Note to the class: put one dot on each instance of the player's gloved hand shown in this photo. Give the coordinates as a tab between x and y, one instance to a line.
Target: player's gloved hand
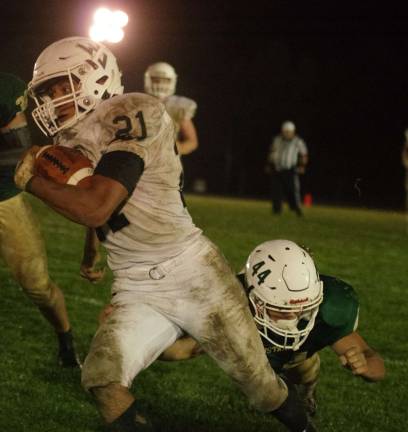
25	168
292	413
355	360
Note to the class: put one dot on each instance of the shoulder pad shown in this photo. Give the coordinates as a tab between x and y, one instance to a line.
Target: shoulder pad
127	104
340	302
133	116
180	107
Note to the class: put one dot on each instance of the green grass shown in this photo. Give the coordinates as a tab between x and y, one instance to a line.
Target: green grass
369	249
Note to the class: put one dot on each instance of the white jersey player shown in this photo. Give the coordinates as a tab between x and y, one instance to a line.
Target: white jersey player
168	277
160	81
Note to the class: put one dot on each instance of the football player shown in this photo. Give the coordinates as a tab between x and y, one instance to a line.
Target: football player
297	314
168	277
21	245
160	81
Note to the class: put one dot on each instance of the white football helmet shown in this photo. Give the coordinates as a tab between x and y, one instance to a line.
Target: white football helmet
88	64
160	80
282	278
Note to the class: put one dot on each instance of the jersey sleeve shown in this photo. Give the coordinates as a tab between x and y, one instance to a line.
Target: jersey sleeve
340	308
180	108
134	124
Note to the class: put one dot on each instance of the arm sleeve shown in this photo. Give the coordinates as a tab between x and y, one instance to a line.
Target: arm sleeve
340	308
122	166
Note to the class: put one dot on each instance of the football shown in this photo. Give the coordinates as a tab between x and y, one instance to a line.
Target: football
63	165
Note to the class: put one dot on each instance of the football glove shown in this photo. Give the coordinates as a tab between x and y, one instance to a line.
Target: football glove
25	168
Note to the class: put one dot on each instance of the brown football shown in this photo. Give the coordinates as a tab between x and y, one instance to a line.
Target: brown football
62	165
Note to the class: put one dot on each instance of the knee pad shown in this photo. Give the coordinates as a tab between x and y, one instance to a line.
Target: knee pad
41	292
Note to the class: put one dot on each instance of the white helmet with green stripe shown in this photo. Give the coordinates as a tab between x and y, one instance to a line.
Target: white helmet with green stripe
285	292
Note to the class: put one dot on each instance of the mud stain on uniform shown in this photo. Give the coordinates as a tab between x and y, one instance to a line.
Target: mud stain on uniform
230	337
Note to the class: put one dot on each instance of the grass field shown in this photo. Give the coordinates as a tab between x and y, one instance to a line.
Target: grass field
368	249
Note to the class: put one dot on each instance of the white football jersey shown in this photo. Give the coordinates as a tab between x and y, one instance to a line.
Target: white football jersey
160	226
180	108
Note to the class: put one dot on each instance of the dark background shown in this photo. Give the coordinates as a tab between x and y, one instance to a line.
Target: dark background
339	70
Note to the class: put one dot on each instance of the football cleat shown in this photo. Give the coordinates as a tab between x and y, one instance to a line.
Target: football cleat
67	356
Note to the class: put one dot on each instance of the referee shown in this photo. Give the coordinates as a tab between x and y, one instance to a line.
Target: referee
287	158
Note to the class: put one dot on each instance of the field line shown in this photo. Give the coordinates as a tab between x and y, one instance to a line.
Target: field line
87	300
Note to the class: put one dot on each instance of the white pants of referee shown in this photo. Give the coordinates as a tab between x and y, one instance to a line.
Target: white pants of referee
198	293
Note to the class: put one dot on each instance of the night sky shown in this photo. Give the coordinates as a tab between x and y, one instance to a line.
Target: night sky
339	70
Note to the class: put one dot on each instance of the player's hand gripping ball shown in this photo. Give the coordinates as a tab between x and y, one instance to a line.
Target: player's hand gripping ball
63	165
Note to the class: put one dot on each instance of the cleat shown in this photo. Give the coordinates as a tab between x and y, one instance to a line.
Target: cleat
67	356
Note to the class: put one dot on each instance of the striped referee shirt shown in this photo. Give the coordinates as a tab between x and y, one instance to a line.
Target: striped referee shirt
284	154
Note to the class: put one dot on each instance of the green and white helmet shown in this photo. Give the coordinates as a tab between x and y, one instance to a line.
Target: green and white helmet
160	80
282	278
89	64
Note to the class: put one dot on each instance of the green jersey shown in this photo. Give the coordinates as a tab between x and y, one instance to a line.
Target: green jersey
13	99
337	318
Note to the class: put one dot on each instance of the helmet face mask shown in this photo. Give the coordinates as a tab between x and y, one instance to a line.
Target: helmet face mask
285	292
92	72
160	80
45	115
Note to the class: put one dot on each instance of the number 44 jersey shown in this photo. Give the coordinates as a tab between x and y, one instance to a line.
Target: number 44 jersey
153	225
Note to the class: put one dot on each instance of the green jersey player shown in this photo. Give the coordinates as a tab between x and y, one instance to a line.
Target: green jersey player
298	313
21	245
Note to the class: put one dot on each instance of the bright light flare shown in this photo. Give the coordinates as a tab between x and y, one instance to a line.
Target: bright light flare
120	18
114	35
108	25
96	33
102	16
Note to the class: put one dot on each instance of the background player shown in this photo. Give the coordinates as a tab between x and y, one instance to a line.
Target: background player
160	81
298	313
168	277
21	245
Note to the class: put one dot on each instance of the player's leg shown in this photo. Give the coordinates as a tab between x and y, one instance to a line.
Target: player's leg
130	338
217	315
212	306
276	192
292	191
306	375
23	250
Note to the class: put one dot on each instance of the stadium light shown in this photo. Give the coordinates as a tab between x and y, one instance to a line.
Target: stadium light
114	34
108	25
120	18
